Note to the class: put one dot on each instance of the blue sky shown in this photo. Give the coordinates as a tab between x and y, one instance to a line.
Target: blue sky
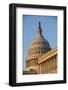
30	27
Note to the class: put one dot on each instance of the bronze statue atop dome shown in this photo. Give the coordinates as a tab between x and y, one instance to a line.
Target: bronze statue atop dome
40	29
39	25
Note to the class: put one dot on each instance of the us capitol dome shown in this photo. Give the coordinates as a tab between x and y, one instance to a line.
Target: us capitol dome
39	47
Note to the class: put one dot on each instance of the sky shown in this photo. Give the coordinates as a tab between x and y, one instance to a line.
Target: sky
30	28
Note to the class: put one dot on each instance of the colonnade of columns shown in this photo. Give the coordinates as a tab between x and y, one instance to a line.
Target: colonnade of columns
49	65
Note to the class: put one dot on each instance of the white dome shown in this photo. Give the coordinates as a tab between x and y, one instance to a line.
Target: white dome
39	45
